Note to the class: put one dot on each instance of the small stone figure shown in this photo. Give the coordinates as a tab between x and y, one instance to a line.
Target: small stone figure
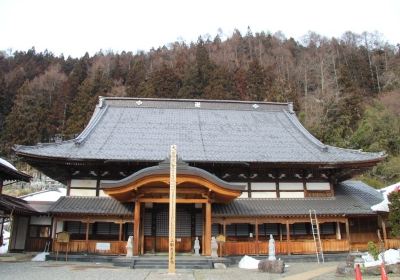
214	247
129	247
271	248
196	247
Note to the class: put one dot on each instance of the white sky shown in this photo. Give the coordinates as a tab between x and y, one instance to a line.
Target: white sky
73	27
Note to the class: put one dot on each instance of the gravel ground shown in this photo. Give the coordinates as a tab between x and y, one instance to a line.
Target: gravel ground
81	271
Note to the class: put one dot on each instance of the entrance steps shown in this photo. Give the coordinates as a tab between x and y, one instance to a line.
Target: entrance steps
157	262
148	262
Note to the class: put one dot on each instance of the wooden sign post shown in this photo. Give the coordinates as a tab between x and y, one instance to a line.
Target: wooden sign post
172	210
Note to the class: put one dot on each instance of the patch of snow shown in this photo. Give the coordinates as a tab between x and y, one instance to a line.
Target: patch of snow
41	257
6	239
248	263
6	163
384	205
51	195
391	256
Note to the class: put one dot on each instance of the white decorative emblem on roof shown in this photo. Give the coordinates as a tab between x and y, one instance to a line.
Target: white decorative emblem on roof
255	106
197	104
139	102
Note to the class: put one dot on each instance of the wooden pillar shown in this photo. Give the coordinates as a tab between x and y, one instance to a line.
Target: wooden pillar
136	229
1	186
384	231
348	233
338	233
141	242
87	236
203	236
288	237
120	232
256	232
207	237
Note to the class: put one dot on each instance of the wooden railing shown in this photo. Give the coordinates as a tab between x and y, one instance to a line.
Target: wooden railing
83	246
36	244
282	247
392	244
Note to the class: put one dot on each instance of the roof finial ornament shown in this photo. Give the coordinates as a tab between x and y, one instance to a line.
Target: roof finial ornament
101	101
290	107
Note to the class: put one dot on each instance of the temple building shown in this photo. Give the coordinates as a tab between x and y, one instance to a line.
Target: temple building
245	170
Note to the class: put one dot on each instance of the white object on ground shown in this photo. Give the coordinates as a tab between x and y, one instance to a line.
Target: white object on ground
392	256
41	257
248	263
383	206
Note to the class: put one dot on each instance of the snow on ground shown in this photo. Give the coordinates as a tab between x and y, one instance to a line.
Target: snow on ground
248	263
6	238
390	256
384	205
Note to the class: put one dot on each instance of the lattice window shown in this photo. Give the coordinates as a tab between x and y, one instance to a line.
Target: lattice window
147	223
162	223
107	228
183	223
215	230
267	229
199	224
327	228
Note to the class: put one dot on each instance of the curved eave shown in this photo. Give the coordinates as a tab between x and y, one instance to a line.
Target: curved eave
124	189
328	164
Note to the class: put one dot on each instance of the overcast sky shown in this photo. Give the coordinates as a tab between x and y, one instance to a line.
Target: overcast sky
73	27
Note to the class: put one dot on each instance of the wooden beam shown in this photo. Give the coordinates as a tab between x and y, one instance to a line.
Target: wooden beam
178	200
136	229
207	238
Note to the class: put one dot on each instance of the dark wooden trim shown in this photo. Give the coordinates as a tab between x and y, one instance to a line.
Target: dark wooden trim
97	186
68	187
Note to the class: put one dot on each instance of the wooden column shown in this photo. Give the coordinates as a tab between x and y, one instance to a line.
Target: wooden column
207	229
288	237
203	236
141	242
1	186
384	231
87	236
348	233
256	232
136	229
120	232
338	233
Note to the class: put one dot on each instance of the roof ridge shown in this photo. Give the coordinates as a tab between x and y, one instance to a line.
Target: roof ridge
110	98
295	121
97	115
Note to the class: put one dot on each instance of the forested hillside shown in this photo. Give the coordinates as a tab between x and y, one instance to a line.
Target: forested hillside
346	90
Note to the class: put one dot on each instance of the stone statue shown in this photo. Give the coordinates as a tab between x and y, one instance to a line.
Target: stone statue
271	248
129	247
196	247
214	247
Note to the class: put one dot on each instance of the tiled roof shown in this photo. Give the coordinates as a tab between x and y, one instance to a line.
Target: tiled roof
9	172
351	198
10	204
131	129
97	206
